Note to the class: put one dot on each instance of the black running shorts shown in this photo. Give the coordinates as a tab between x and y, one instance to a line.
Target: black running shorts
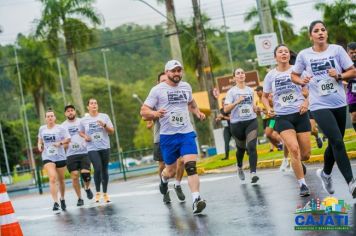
59	164
352	107
78	162
157	155
299	123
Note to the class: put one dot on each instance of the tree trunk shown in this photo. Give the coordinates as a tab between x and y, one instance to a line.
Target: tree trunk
75	85
39	103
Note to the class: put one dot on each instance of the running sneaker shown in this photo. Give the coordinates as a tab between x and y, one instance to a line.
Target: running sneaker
304	169
90	194
319	142
326	182
280	147
284	165
56	208
179	192
97	197
163	187
80	202
304	191
254	178
352	188
63	204
166	198
198	205
106	198
240	173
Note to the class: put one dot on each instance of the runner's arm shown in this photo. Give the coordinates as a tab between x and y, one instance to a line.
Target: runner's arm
40	144
193	108
148	113
265	101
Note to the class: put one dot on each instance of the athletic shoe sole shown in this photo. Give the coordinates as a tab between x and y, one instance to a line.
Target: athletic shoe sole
319	173
254	179
306	194
200	207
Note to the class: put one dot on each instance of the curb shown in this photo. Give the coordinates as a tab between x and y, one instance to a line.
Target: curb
272	164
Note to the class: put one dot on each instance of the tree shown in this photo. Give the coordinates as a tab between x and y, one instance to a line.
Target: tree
279	10
39	75
13	147
340	18
143	137
59	19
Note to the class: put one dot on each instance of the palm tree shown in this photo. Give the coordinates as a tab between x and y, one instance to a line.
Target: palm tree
60	20
279	10
340	18
39	75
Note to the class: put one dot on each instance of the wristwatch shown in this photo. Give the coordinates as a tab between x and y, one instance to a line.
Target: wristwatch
339	77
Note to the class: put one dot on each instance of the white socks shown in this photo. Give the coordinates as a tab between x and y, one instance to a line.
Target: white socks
301	182
177	183
195	195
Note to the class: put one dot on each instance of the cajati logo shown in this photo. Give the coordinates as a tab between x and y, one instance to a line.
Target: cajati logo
327	214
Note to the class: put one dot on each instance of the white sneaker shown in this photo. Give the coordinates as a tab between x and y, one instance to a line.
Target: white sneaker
284	165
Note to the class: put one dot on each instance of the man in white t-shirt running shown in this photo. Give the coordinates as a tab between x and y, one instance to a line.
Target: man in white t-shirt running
78	162
171	102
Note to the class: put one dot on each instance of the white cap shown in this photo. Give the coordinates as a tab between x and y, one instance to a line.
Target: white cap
170	65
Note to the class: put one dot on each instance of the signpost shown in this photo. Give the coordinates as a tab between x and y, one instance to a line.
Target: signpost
265	45
226	82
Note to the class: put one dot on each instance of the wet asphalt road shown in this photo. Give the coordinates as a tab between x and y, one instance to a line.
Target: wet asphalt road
233	208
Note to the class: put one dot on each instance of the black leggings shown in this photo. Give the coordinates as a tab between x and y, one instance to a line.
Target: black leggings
333	122
245	133
227	138
100	161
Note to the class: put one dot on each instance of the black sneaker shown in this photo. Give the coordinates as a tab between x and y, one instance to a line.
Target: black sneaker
198	205
163	187
90	194
63	204
80	202
304	191
179	192
319	142
304	169
166	198
56	207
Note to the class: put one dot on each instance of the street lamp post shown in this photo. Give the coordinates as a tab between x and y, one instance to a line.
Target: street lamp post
135	96
5	154
227	37
113	112
32	159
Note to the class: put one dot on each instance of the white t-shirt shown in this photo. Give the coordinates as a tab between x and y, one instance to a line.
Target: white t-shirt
50	136
324	91
99	136
77	144
287	96
244	110
175	101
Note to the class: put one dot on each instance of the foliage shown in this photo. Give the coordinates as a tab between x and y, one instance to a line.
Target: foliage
143	137
12	144
340	18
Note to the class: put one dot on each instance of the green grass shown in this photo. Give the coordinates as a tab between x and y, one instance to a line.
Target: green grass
264	154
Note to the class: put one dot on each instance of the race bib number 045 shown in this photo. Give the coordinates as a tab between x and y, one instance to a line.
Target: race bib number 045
286	99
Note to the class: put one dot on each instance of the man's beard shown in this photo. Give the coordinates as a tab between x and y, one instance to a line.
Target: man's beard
71	117
174	81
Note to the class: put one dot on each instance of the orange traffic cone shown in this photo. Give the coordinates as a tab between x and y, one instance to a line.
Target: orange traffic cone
8	222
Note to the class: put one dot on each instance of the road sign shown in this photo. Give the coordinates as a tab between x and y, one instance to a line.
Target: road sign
265	45
226	82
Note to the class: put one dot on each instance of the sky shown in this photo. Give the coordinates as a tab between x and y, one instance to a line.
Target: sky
18	16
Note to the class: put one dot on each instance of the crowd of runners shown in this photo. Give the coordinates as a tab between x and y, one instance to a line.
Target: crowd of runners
298	95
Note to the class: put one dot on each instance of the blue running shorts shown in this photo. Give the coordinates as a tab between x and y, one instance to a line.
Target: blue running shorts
177	145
